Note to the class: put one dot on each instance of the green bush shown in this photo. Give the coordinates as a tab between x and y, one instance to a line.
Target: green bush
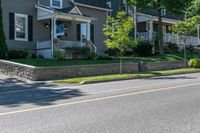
78	50
59	55
99	56
171	48
194	63
190	49
17	54
112	52
144	49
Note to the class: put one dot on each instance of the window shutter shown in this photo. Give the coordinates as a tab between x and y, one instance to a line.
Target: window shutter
11	26
78	31
92	32
30	28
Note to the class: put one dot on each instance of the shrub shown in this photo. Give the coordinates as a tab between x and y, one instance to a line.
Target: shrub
59	55
17	54
112	52
191	49
171	48
194	63
78	50
144	49
99	56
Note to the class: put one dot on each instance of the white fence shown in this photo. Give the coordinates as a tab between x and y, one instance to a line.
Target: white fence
44	49
171	38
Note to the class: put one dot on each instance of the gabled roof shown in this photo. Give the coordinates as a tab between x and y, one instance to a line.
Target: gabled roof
70	10
95	3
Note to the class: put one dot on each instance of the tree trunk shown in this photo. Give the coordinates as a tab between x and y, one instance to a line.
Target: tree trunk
185	52
120	67
3	46
160	30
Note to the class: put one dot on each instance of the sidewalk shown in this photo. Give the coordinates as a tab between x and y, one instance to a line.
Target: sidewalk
12	83
9	81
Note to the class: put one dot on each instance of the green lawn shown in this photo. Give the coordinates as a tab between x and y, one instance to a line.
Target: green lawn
125	76
51	63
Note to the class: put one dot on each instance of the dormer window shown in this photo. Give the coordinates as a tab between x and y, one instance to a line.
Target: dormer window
57	3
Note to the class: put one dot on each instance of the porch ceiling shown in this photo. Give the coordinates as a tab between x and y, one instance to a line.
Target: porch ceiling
45	12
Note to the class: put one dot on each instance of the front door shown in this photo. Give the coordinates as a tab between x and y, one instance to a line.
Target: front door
83	33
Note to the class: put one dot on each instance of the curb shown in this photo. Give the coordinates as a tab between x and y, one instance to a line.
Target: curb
122	79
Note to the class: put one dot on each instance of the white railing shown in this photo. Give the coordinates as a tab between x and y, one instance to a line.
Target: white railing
171	38
44	45
144	36
44	49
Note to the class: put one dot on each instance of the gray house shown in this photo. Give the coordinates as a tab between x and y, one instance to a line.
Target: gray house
147	23
45	26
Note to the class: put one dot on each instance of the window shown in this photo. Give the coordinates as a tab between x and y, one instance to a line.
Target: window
56	3
21	27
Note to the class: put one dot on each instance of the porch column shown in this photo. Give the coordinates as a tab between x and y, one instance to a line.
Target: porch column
151	30
135	23
53	23
88	32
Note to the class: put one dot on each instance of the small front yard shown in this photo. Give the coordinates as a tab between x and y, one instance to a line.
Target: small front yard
52	63
125	76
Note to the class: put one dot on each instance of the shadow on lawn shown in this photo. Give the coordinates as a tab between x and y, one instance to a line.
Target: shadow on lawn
38	94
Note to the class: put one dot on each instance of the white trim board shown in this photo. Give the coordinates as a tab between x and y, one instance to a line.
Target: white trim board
94	7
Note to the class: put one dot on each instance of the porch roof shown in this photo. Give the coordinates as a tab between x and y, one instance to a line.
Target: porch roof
69	13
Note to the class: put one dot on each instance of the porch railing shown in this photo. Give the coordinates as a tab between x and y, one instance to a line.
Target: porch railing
44	45
145	36
171	38
44	49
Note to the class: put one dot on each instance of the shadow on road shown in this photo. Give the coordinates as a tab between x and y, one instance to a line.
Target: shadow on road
38	94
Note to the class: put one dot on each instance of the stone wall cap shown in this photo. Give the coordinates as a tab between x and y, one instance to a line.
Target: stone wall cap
91	65
15	63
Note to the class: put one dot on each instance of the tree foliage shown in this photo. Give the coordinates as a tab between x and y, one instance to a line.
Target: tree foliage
186	27
3	47
118	30
193	9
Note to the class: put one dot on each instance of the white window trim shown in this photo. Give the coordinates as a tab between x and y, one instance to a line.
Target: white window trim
26	24
61	4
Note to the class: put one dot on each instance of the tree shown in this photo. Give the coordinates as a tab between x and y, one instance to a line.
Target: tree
193	9
3	46
118	30
183	29
172	6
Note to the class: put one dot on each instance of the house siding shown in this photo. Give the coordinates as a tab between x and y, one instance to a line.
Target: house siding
99	36
66	3
40	33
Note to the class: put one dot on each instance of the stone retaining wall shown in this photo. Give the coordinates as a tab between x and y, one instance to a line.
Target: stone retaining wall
16	69
165	65
52	73
82	71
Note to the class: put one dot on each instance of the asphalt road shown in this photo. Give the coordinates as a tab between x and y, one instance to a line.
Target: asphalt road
168	104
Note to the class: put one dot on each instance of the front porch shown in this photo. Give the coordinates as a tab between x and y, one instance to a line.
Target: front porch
68	28
147	27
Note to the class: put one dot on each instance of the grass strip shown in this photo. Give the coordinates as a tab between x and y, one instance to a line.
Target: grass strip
102	78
